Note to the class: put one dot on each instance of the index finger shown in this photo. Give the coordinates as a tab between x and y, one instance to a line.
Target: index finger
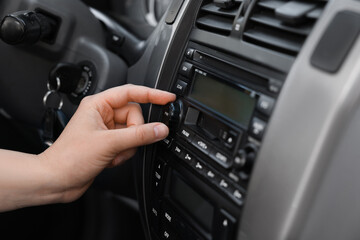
119	96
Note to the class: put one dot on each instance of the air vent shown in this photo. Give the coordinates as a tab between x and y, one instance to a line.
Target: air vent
282	25
215	19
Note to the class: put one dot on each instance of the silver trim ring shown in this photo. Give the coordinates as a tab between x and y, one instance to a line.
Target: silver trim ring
46	96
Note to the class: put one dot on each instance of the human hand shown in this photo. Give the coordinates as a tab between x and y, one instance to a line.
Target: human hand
104	131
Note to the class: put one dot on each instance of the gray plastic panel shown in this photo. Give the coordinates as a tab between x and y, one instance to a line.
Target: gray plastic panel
308	152
335	212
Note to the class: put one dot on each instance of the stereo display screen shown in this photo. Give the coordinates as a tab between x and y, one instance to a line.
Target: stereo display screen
192	202
224	99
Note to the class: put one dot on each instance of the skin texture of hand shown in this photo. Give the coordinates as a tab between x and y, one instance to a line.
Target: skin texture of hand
104	132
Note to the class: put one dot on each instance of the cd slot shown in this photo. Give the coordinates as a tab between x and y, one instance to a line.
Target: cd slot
236	72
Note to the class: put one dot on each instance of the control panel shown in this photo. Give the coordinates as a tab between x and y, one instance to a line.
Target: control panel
200	172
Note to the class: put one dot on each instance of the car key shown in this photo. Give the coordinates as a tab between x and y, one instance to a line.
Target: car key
54	120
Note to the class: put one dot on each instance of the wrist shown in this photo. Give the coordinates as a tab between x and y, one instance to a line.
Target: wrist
62	185
54	188
26	180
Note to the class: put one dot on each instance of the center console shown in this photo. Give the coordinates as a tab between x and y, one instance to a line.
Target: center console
227	82
200	172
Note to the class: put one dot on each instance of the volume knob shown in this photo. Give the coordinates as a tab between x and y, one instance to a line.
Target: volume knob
175	114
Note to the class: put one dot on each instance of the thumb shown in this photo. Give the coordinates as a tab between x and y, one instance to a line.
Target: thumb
139	135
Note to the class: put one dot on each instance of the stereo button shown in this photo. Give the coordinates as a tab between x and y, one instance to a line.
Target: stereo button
210	174
155	214
175	114
229	138
234	177
189	53
186	69
180	87
199	167
240	159
257	128
201	144
177	150
274	85
159	169
186	134
167	233
192	116
237	196
166	115
221	158
188	158
167	141
223	184
224	225
265	105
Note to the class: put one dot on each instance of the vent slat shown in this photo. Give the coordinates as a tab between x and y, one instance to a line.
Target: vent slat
268	20
271	4
216	22
289	44
211	8
315	14
282	25
215	19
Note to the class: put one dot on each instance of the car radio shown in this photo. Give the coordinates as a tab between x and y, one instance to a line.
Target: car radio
202	169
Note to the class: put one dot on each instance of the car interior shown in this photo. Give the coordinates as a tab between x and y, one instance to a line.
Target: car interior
264	133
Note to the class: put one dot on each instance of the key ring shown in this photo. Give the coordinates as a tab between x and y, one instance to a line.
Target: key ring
51	93
55	94
58	84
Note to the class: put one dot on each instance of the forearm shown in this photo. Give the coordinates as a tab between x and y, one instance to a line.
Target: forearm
25	180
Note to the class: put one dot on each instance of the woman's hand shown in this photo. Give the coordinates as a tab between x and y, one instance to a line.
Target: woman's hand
104	132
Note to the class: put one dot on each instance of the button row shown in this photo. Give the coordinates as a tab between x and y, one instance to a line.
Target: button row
210	174
218	156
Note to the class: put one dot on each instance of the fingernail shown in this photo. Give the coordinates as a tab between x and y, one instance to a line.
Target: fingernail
161	131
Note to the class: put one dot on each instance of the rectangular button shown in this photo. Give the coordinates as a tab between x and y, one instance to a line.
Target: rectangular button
189	53
201	144
221	158
265	105
155	214
274	85
167	233
180	87
186	69
159	169
237	195
229	138
167	141
211	175
224	225
188	158
199	167
177	150
192	116
165	115
257	128
186	134
223	183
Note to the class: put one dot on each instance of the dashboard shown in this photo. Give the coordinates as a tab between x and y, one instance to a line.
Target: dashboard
264	133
